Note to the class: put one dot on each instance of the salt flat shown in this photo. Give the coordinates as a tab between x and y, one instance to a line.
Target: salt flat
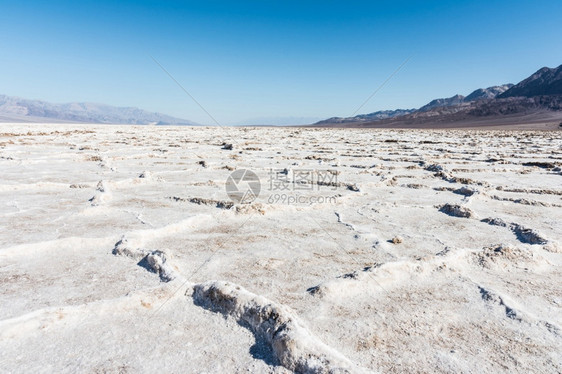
365	250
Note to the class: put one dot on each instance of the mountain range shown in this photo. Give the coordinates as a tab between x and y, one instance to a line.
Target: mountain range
15	109
536	99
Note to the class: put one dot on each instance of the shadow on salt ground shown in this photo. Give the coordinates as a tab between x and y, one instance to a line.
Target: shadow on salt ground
262	350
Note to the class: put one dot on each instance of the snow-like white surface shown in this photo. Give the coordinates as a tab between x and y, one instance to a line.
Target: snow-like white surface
117	253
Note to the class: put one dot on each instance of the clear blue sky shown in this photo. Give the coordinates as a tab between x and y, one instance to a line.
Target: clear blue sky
246	59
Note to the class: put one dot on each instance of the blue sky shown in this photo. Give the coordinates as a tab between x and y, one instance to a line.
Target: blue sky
259	59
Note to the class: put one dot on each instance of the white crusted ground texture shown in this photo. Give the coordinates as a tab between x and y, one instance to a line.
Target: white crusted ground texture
430	251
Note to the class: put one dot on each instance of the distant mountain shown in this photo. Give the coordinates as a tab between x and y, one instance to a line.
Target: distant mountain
479	94
15	109
545	81
535	99
383	114
454	100
546	109
488	93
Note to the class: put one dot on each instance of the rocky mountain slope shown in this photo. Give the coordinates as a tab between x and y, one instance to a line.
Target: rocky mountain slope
545	81
488	93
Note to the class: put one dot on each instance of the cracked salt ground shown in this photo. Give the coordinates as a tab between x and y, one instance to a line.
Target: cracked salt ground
124	256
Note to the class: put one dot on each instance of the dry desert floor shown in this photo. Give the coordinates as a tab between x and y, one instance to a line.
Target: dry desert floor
364	251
